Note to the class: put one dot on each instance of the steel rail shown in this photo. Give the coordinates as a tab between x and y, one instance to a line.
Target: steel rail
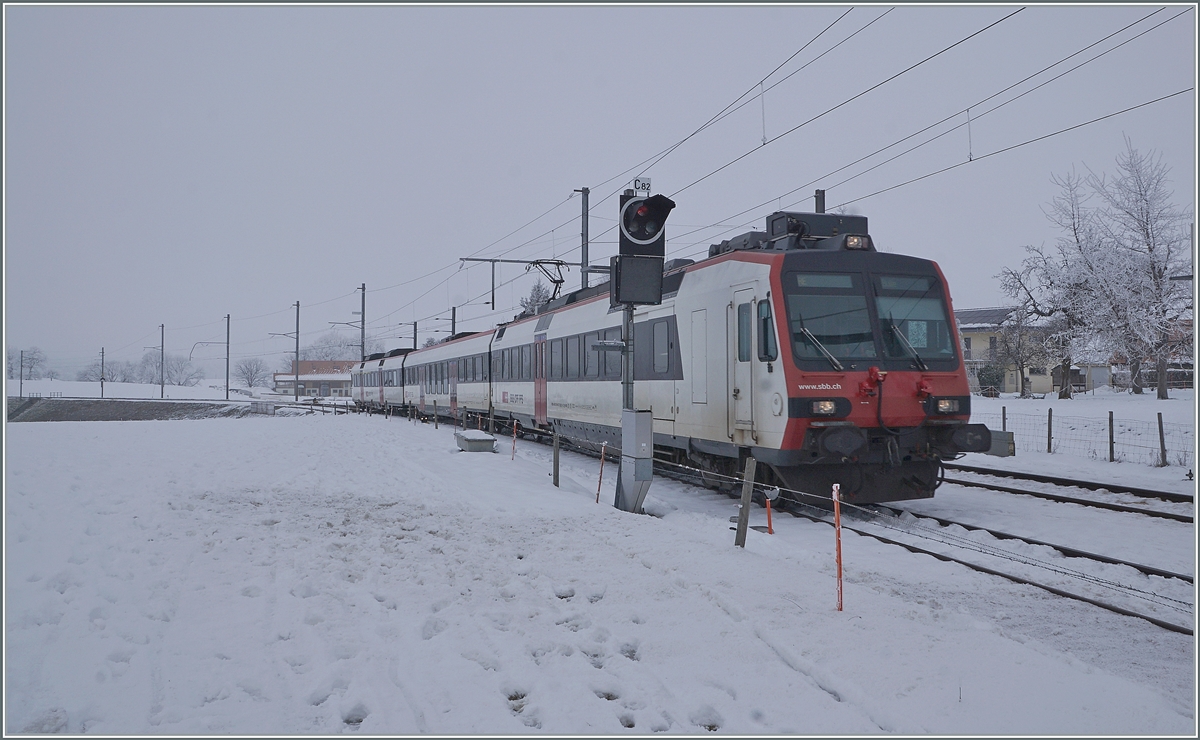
1070	500
1068	551
1067	482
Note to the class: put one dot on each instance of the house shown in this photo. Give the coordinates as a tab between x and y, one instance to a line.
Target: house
317	378
980	330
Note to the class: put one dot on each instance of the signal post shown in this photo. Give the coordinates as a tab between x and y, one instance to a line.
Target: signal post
636	280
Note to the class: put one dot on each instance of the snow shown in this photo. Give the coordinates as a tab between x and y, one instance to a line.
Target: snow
330	574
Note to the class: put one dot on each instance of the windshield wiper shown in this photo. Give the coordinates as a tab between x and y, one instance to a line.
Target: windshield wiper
828	355
909	347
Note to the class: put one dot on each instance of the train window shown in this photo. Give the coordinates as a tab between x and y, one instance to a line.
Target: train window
591	364
556	358
828	316
767	350
662	351
912	318
573	357
743	332
526	362
612	360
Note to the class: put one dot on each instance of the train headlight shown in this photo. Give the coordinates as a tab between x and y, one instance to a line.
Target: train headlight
947	406
855	241
824	408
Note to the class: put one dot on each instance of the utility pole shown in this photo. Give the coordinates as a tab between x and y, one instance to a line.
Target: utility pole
361	324
583	259
414	335
226	357
296	383
296	361
453	320
102	372
162	361
21	382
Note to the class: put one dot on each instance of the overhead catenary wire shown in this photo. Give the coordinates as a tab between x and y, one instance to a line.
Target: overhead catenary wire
950	117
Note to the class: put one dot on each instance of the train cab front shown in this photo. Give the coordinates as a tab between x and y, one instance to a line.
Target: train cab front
878	393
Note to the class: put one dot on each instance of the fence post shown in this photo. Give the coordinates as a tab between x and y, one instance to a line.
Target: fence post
556	459
600	482
739	540
1049	429
1112	457
1004	418
1162	442
435	415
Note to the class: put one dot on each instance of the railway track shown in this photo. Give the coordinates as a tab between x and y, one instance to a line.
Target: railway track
824	517
1180	498
1068	483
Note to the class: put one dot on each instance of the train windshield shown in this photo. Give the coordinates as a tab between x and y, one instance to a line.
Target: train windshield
828	316
912	318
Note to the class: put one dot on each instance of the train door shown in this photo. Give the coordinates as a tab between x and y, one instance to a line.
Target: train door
741	354
453	387
539	379
421	381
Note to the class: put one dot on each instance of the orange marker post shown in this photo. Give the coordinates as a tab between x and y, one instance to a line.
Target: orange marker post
770	529
837	534
514	455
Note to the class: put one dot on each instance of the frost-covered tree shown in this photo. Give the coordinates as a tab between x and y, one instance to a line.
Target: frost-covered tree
252	371
430	342
332	345
1106	281
1057	282
1148	243
148	369
11	365
539	294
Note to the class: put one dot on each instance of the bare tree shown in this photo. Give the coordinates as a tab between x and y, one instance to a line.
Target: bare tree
91	373
252	371
1020	343
430	342
121	371
34	363
12	364
181	371
51	373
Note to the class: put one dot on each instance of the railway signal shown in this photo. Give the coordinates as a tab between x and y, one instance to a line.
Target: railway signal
642	221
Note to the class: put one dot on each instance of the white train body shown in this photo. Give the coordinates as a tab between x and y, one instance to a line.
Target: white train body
729	368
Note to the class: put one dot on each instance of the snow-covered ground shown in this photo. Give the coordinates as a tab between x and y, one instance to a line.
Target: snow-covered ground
325	574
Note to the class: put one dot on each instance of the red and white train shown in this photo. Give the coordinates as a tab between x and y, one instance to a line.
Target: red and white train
803	346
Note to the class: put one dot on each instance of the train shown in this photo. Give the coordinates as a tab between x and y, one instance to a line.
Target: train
803	346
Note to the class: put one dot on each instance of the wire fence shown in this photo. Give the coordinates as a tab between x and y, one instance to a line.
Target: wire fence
1132	441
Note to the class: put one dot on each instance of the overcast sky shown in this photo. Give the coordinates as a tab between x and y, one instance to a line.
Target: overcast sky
171	165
